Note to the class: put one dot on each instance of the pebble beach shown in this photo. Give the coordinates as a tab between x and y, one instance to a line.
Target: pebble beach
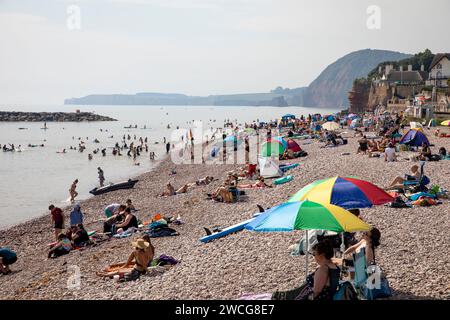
413	251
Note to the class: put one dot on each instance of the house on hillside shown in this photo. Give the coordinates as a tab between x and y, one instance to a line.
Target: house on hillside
439	70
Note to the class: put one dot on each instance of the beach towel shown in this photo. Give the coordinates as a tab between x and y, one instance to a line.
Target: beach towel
417	195
256	296
115	269
162	232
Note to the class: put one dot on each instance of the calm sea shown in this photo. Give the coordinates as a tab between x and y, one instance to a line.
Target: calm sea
32	179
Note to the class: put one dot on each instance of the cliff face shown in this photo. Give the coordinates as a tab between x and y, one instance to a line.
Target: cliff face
331	88
359	96
377	95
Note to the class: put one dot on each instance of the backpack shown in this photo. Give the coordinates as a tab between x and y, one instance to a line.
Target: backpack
345	291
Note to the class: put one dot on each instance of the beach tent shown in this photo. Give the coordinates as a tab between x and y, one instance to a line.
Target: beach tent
330	125
272	147
292	145
288	116
268	168
330	118
414	138
281	140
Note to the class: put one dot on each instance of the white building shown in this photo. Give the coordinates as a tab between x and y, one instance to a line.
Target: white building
439	70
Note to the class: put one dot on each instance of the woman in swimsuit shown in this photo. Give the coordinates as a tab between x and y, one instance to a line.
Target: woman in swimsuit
129	222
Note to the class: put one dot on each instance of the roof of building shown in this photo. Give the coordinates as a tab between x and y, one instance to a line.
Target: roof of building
438	57
407	76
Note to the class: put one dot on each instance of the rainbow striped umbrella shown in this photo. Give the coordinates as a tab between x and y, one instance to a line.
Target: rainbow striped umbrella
345	192
307	215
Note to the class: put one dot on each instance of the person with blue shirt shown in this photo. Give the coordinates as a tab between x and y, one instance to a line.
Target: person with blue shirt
7	258
76	216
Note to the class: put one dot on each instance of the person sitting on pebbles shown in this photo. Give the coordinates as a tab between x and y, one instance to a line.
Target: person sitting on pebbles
397	183
142	256
7	258
170	190
370	241
129	222
62	247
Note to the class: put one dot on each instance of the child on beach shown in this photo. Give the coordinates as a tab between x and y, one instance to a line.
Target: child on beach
62	247
76	216
101	176
72	191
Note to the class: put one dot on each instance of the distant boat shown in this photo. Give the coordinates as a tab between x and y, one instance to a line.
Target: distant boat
23	128
45	126
113	187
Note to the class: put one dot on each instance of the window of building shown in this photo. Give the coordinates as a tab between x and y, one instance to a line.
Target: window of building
439	66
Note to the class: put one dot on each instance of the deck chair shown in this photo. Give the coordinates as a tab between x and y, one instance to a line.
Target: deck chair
420	184
361	276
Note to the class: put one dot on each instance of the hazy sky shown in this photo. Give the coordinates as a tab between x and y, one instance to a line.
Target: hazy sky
196	47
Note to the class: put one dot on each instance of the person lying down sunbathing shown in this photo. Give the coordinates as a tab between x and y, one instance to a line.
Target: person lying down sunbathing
259	184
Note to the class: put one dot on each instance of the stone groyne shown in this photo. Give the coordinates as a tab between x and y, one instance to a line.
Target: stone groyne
52	116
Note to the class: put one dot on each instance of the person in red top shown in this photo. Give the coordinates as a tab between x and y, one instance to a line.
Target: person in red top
57	219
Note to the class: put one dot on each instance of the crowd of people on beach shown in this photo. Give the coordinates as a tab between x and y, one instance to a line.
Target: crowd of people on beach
323	284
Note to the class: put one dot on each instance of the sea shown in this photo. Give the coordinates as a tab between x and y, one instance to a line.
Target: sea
32	179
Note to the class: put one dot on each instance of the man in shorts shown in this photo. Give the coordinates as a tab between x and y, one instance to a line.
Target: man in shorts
57	219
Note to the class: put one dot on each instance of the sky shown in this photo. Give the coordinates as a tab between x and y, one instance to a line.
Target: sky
56	49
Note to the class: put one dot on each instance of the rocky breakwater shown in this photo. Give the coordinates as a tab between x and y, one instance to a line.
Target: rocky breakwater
52	116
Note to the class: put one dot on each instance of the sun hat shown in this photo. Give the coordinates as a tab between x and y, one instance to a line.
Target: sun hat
140	244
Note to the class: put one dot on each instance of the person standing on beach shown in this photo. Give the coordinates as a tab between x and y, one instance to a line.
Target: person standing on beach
57	219
167	147
101	176
76	216
72	191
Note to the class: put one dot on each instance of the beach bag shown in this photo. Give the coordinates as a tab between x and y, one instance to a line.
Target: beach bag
399	203
377	293
384	290
166	260
345	291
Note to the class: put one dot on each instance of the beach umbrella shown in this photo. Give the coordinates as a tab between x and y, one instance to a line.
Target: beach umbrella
445	123
288	116
272	147
345	192
330	125
307	215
